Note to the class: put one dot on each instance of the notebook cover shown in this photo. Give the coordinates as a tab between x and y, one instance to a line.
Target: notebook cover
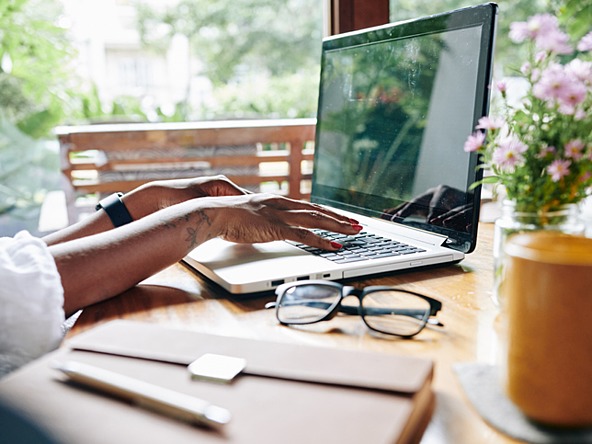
287	393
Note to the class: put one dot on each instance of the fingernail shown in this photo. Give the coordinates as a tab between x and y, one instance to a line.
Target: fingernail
357	227
336	245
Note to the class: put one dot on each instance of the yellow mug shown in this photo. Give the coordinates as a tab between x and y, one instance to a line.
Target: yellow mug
547	293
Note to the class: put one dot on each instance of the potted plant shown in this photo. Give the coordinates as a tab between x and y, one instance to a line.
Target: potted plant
540	149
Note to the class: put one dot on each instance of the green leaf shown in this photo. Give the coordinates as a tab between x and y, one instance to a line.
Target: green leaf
485	180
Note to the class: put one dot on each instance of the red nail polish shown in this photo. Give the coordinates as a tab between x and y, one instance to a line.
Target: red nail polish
336	244
357	227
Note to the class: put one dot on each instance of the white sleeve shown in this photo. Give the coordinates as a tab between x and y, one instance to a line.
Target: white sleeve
31	301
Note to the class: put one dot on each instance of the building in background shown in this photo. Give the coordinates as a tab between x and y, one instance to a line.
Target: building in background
112	58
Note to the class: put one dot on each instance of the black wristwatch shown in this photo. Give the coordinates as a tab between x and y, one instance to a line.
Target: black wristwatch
115	209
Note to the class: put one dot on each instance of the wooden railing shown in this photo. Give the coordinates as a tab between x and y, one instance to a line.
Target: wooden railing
260	155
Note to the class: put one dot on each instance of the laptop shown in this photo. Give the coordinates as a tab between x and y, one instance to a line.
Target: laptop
396	103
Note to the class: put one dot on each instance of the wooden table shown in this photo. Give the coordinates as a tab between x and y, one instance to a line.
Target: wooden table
179	298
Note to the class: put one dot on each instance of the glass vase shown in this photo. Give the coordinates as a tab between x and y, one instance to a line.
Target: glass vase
565	219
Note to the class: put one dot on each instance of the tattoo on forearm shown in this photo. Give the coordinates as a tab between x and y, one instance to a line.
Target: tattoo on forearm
202	214
192	237
192	233
173	223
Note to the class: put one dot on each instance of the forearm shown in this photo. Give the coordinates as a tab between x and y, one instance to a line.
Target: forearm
147	199
140	202
105	264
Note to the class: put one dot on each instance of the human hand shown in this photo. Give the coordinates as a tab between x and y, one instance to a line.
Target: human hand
266	217
176	230
442	205
160	194
458	218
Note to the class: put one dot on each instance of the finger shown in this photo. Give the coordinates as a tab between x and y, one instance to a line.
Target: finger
455	218
317	219
394	210
410	209
285	203
304	236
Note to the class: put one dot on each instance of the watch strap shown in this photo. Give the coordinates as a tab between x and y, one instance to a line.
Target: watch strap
115	209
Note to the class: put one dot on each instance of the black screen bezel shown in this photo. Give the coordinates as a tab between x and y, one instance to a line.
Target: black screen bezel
482	15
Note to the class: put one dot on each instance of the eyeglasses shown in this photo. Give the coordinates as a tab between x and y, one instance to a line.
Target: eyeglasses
387	310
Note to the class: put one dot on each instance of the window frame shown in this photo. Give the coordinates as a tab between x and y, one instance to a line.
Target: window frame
351	15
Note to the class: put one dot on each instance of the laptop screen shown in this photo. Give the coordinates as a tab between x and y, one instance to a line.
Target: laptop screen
396	105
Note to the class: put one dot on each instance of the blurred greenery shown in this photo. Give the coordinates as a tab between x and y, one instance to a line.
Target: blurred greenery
575	15
34	54
262	56
289	96
28	168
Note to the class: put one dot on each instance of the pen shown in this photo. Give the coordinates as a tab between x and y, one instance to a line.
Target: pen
153	397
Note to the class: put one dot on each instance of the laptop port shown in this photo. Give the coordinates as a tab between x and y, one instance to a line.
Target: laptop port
277	282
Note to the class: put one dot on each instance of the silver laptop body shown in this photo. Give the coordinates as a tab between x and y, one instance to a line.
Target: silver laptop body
396	104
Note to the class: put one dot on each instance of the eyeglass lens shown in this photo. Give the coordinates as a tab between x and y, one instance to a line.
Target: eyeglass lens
388	311
397	312
307	303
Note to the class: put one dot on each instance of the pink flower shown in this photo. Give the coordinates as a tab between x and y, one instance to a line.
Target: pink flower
537	25
553	84
571	97
554	41
586	43
580	114
519	32
509	153
558	169
566	109
574	149
580	70
487	123
540	56
474	142
545	151
502	86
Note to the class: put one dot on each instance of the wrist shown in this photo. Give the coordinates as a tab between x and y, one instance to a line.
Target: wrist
196	221
115	209
142	201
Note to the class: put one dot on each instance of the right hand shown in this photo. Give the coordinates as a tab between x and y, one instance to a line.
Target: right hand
266	217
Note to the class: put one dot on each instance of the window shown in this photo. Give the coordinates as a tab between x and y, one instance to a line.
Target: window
203	59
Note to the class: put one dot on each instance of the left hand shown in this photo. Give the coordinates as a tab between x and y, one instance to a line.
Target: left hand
160	194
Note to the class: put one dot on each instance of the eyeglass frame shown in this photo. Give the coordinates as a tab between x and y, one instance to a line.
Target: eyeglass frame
348	290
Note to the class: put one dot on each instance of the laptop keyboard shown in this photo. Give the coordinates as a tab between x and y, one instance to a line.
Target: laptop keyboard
360	247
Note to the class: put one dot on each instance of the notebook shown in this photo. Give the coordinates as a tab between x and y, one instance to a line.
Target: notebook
287	393
396	103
